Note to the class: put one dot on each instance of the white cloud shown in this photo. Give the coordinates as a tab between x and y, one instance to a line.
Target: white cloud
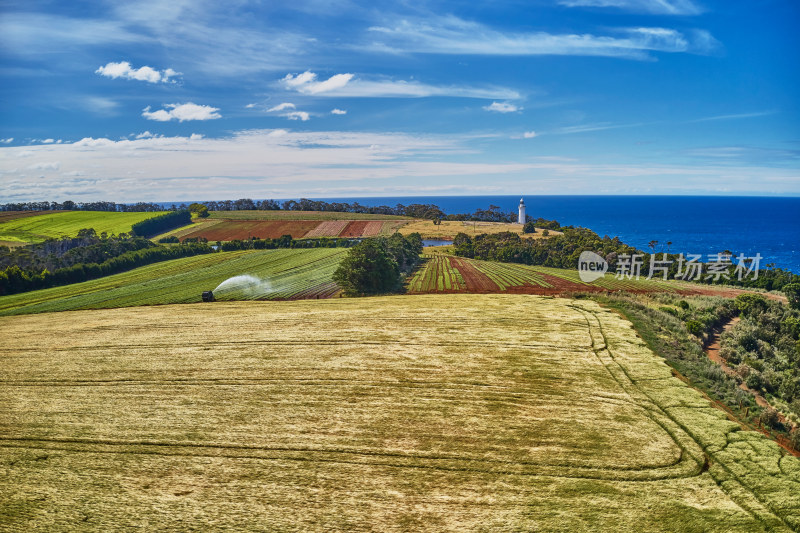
182	112
124	70
7	141
196	136
656	7
45	166
250	106
297	115
145	135
338	112
452	35
529	135
90	142
306	82
281	107
73	173
387	88
502	107
299	79
48	141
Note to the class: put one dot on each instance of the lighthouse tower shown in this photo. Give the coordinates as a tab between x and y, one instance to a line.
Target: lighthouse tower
521	211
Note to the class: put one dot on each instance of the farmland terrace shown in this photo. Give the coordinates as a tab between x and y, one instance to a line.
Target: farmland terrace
443	412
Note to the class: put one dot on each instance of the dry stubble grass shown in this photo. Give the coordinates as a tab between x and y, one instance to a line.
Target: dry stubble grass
448	412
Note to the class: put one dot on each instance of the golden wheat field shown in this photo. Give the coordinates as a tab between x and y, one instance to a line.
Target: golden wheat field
433	412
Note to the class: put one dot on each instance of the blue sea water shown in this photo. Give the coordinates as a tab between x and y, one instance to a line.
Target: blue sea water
694	224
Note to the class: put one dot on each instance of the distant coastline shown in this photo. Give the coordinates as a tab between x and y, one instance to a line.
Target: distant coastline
768	225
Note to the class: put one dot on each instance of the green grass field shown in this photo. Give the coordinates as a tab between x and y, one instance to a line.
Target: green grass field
290	274
430	412
67	224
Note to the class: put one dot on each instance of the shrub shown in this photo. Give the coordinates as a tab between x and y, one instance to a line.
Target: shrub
171	238
695	327
754	380
769	418
750	303
529	227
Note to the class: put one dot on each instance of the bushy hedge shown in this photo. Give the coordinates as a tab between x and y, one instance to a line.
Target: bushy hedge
162	223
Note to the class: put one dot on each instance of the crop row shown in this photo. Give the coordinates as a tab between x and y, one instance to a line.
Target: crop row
279	274
447	273
609	281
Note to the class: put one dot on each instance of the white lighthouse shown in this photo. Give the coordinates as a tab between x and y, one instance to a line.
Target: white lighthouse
521	211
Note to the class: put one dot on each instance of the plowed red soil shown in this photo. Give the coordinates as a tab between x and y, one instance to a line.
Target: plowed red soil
229	230
354	228
476	280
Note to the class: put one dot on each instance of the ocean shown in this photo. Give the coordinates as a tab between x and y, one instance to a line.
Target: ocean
769	226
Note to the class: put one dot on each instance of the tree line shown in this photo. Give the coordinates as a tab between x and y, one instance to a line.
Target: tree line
69	205
424	211
161	223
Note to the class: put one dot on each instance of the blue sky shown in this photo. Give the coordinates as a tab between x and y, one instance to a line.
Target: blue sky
153	100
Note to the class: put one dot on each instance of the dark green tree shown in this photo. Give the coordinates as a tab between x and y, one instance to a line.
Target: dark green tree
368	268
792	291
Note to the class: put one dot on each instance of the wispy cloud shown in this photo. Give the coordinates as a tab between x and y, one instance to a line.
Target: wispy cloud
735	116
182	112
338	111
502	107
124	70
529	135
656	7
585	128
7	141
453	35
281	107
356	87
741	153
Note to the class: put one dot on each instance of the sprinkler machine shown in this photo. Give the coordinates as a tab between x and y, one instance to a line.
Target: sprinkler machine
208	296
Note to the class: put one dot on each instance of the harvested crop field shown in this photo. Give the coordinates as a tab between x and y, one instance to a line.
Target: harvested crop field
228	230
435	412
